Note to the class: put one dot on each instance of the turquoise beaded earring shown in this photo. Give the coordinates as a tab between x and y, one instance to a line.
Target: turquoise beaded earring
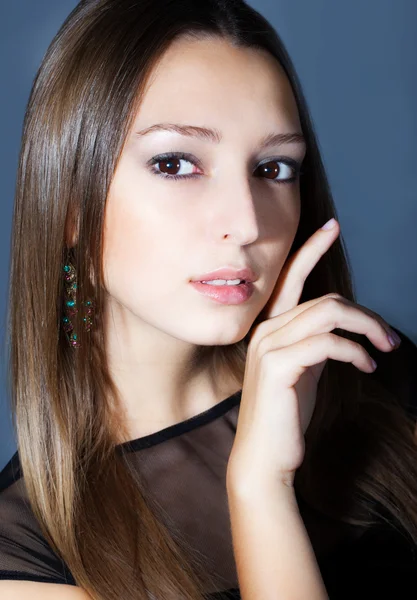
70	282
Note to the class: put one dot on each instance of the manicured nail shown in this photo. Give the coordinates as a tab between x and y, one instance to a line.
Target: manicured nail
330	224
394	339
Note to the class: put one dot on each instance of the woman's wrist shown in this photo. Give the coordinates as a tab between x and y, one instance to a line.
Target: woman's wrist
260	491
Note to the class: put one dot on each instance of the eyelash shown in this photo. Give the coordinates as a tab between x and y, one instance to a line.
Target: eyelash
297	170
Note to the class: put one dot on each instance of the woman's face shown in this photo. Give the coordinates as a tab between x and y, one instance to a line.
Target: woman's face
161	232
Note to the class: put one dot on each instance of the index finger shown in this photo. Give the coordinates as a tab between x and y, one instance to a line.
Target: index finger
290	283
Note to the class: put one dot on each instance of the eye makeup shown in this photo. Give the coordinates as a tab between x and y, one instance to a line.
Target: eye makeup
294	165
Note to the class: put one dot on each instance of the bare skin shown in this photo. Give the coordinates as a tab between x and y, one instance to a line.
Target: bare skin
160	233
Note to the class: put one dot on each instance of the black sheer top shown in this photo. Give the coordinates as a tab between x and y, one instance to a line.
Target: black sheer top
184	466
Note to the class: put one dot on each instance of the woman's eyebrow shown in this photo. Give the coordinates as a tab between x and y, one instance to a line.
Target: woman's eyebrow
214	135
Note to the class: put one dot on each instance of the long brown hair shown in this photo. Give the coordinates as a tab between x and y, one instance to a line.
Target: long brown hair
91	505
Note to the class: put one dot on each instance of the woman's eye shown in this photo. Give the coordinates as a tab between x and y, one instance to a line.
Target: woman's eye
280	171
181	166
173	167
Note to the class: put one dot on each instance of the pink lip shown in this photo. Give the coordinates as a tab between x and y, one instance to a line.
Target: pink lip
225	294
228	273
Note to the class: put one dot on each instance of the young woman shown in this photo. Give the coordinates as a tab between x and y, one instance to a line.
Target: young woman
195	404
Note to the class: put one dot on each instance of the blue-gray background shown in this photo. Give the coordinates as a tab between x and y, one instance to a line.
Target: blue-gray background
357	62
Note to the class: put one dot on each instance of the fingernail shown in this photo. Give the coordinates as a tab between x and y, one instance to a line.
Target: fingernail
394	339
330	224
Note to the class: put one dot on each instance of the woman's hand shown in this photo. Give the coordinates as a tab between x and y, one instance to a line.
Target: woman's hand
286	356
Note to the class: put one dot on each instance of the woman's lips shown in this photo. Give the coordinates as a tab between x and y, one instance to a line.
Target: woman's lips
225	294
244	273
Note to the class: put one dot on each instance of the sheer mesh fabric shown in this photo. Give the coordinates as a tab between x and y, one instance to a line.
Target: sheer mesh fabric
184	467
24	552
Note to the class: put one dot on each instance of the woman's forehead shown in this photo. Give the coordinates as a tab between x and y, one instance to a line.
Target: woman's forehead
202	81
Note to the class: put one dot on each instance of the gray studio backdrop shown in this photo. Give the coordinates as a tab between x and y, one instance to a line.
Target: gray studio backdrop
357	62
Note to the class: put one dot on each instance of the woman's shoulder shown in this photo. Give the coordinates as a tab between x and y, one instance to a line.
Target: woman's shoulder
10	473
25	554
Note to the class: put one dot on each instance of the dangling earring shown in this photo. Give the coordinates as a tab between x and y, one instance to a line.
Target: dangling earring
70	282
